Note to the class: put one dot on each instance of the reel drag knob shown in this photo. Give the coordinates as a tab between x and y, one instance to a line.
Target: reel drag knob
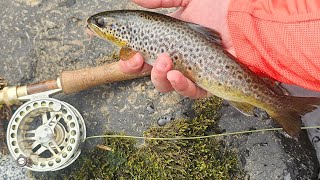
23	161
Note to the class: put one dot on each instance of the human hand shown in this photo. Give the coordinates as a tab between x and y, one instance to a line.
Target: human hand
208	13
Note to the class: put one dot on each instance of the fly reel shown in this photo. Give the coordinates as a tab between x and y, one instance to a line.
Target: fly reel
45	134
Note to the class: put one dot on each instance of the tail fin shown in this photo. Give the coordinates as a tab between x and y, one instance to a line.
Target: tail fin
288	115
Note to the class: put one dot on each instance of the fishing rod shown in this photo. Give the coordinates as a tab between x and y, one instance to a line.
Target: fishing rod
44	133
68	82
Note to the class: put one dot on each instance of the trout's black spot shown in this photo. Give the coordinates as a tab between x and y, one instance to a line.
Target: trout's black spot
194	56
255	87
219	84
189	67
227	67
239	77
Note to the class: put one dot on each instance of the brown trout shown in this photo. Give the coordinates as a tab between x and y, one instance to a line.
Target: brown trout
198	53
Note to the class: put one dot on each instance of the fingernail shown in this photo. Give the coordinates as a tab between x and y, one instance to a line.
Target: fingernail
173	82
161	65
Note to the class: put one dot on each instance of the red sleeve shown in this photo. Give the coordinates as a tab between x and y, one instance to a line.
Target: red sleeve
278	39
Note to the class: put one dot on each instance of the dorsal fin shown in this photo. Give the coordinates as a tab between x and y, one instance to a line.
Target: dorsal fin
210	34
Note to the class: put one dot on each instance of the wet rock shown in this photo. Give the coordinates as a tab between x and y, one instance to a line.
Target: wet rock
39	39
261	114
68	3
268	155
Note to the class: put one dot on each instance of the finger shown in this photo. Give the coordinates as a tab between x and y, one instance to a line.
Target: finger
184	86
159	72
134	65
161	3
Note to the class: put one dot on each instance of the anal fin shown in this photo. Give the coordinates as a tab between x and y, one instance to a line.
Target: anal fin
244	108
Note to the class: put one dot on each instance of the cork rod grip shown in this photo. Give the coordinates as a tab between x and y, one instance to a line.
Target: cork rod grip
78	80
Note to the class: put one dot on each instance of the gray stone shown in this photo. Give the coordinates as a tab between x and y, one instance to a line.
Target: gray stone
268	155
40	38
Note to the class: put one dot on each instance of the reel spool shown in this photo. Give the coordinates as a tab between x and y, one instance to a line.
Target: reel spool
45	134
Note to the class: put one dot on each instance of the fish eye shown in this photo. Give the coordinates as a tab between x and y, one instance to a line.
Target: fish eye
100	22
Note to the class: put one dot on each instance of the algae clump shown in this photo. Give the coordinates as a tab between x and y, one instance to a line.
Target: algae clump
179	159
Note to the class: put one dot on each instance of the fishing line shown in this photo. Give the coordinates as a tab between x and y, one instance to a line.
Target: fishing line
195	137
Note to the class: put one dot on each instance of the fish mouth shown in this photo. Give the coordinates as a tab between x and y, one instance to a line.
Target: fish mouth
89	31
93	29
97	29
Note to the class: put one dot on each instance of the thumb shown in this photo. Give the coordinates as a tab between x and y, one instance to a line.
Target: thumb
161	3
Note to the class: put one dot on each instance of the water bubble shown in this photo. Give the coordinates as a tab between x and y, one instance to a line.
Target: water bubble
5	177
150	108
164	120
23	171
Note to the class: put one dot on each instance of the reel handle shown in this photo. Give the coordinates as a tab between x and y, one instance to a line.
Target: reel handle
78	80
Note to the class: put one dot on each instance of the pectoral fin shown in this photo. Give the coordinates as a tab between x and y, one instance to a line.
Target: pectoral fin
211	34
244	108
276	86
126	53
